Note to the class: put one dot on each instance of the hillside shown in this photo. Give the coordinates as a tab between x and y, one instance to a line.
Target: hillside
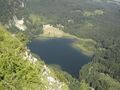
20	70
95	23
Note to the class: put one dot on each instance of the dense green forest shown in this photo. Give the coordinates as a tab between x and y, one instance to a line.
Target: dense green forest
95	19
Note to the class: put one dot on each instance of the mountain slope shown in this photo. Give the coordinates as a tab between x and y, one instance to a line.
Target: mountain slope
95	19
19	70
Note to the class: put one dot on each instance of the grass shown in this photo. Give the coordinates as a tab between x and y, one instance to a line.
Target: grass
86	46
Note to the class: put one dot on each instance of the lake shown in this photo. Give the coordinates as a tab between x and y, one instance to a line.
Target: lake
60	52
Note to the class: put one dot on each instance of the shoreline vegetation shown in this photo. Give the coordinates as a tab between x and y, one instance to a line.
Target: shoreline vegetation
86	46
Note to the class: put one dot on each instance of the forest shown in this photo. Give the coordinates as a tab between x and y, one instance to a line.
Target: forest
94	19
89	19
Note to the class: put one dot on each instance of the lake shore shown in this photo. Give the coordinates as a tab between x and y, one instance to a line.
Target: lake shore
85	45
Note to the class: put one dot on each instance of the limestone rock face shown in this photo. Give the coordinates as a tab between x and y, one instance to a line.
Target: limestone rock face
19	23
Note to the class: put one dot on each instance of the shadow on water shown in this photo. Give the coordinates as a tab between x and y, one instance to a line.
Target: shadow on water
59	51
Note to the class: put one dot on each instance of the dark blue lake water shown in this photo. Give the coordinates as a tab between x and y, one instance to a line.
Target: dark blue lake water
60	52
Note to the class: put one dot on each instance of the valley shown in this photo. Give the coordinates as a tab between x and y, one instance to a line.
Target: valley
59	45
